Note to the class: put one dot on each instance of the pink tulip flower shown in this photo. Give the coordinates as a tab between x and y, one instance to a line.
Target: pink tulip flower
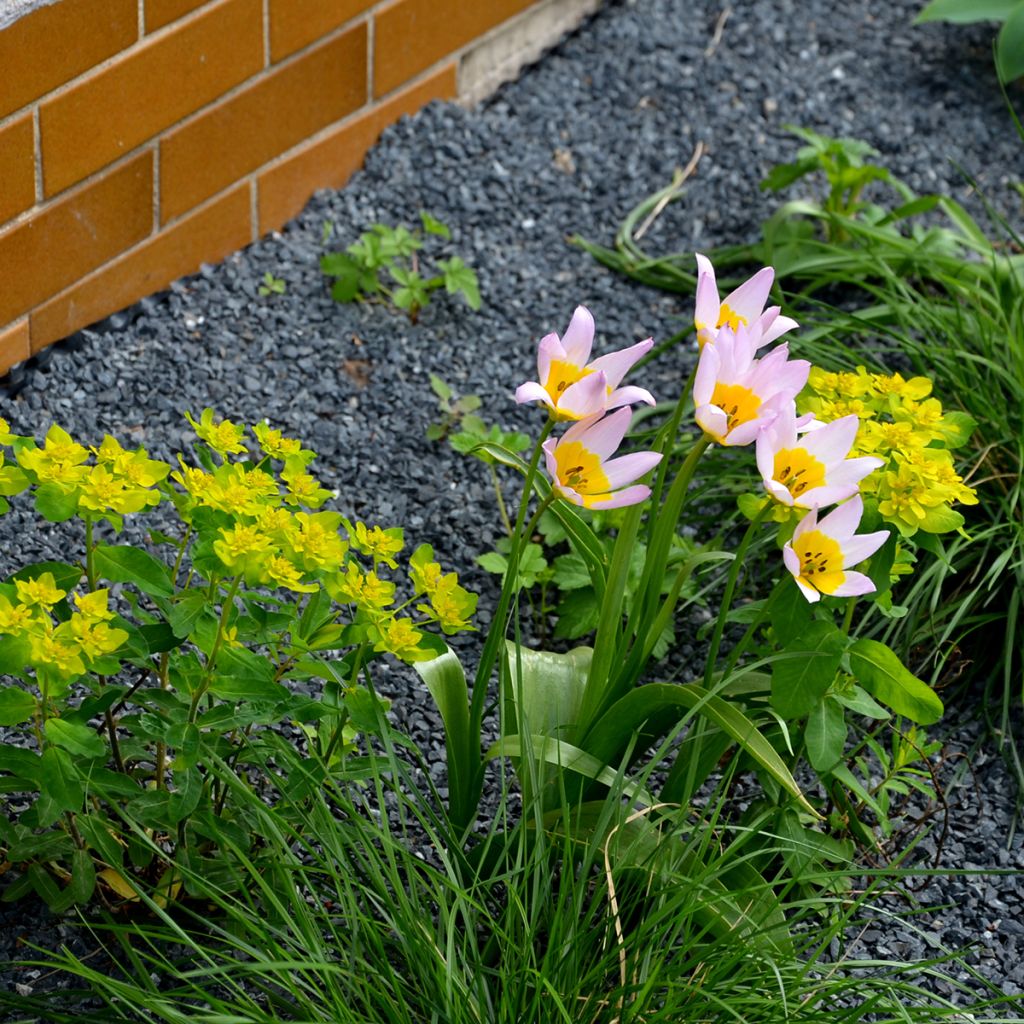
736	395
574	389
582	470
810	469
820	553
742	307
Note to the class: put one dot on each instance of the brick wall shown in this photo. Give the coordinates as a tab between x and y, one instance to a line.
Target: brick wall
140	138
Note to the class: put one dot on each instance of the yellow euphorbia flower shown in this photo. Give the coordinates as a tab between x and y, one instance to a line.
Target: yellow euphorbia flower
316	545
16	618
282	573
401	638
241	548
42	591
93	607
59	461
224	437
381	545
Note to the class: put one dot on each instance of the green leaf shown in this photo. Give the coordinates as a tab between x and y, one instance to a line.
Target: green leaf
790	614
957	427
825	734
941	519
61	787
806	669
963	12
882	673
460	278
55	504
860	702
491	561
1010	45
433	226
125	564
440	388
656	708
16	705
97	834
189	606
82	885
578	614
75	737
446	682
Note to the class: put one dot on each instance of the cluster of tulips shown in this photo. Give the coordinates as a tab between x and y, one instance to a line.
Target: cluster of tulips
739	398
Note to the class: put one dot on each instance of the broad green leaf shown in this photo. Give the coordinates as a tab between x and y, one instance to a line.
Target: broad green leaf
881	673
75	737
860	702
805	851
656	708
547	687
82	885
99	837
446	682
55	504
60	788
806	669
1010	45
941	519
564	757
125	564
16	705
790	614
578	614
189	606
825	734
242	675
963	12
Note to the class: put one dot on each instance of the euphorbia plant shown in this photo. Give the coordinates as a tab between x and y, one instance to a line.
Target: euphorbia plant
128	675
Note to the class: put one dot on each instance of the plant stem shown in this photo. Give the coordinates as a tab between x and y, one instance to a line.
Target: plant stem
90	561
730	587
502	510
848	617
225	613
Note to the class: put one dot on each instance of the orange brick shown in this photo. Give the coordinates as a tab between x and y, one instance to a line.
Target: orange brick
207	236
328	163
109	114
163	12
51	45
297	23
17	168
71	237
14	346
270	116
410	35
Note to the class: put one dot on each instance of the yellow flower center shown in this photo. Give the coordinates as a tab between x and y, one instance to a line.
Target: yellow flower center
739	404
581	470
798	471
728	317
821	561
562	375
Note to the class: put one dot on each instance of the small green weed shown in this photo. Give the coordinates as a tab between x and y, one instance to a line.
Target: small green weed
272	285
358	271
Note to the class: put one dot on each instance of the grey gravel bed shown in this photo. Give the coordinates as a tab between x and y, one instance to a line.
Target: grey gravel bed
600	123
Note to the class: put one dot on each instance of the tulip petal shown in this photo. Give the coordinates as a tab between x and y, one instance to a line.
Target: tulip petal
842	521
627	468
712	420
749	298
615	365
584	398
550	348
856	549
774	326
708	368
854	583
629	395
604	435
531	391
579	336
627	496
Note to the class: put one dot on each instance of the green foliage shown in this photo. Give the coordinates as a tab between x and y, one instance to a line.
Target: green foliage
1009	42
118	707
395	252
272	285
